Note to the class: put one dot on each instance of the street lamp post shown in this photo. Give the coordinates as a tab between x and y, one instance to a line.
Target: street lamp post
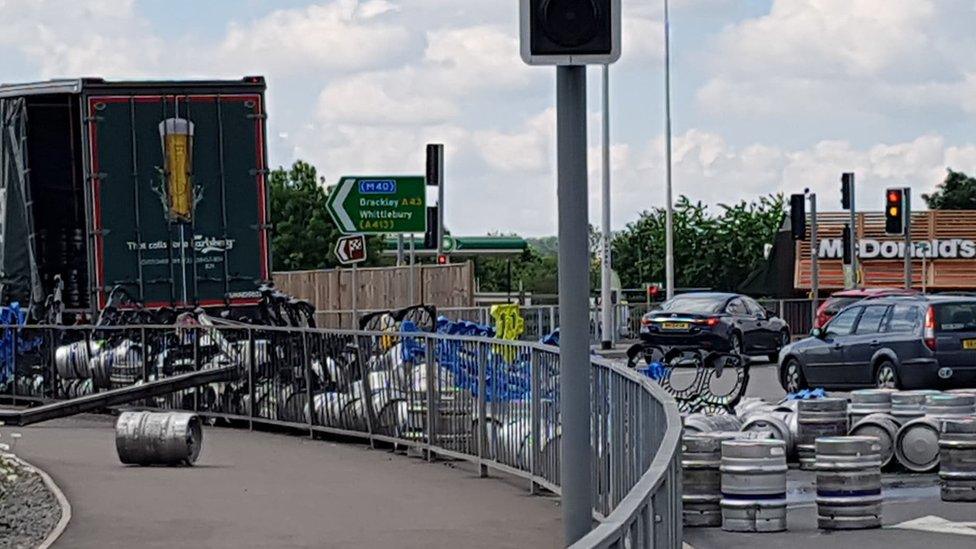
669	216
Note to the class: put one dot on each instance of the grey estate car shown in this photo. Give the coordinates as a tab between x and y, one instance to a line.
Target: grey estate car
905	342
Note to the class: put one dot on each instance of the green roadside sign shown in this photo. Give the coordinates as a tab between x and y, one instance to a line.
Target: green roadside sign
380	204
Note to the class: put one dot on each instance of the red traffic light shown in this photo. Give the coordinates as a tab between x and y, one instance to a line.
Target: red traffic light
442	259
653	290
894	196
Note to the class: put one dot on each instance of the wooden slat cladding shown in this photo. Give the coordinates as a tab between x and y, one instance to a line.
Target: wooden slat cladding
382	288
940	273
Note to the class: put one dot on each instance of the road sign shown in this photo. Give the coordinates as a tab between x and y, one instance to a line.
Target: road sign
351	249
379	205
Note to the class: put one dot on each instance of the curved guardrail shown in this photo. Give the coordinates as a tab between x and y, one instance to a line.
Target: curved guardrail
490	402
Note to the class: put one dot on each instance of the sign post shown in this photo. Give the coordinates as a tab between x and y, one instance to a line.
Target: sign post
351	250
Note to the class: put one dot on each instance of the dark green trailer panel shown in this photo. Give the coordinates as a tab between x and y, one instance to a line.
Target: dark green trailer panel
166	187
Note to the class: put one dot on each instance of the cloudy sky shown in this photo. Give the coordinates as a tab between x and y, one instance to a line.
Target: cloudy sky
769	95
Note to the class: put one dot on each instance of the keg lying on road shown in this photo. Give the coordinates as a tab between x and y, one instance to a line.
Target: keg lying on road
753	486
865	402
703	423
957	453
158	438
947	405
822	417
917	445
882	427
782	425
848	483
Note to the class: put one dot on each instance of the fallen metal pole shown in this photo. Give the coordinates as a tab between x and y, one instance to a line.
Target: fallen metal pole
118	397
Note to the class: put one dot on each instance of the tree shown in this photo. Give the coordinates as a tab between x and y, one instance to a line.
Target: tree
711	251
304	234
957	192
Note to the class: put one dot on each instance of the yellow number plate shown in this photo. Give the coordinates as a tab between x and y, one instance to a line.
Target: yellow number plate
969	344
675	326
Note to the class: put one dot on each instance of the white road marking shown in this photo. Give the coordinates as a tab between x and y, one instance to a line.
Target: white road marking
938	525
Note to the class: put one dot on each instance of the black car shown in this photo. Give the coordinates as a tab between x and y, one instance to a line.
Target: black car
715	322
917	342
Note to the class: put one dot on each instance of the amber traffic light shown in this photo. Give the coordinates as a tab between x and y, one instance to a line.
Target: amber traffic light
895	211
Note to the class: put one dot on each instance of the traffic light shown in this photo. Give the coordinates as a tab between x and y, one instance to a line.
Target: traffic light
442	259
570	32
846	185
798	216
895	211
435	164
848	246
433	229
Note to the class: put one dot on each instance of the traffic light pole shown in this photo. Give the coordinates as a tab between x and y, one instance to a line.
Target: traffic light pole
908	237
574	292
814	257
606	303
854	249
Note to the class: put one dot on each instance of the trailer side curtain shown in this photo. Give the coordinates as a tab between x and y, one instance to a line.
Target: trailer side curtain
19	278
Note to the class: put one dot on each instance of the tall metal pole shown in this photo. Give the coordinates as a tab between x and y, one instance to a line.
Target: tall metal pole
669	216
411	278
606	261
399	255
440	201
814	257
908	238
574	292
854	248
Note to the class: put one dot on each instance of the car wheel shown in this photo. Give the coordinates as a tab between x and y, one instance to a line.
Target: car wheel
885	377
793	379
784	340
735	342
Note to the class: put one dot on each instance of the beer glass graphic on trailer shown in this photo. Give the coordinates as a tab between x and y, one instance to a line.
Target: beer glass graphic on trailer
176	135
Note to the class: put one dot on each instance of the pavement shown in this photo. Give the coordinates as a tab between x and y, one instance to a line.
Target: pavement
256	489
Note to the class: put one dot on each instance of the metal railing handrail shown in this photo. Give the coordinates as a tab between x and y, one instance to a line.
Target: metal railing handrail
613	527
637	441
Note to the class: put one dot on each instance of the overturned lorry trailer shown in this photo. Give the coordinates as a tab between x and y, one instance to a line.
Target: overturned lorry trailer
154	188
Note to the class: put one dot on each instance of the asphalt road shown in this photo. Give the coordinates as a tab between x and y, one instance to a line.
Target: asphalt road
252	489
916	501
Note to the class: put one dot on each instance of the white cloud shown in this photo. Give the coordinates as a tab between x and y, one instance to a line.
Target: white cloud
341	35
843	56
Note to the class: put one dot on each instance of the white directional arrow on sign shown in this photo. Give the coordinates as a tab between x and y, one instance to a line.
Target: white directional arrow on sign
342	217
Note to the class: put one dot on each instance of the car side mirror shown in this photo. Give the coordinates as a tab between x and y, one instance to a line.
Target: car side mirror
770	314
817	333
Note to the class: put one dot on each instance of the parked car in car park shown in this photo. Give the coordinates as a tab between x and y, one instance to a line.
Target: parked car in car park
838	300
723	322
897	342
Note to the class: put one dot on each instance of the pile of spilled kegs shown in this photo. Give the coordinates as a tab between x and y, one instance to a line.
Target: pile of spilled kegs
733	463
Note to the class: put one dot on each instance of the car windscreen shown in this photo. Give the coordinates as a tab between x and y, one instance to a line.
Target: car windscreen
835	304
956	317
701	305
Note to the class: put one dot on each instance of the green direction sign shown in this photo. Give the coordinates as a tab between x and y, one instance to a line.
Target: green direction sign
380	204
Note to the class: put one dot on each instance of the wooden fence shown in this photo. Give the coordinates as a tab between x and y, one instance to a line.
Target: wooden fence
940	273
382	288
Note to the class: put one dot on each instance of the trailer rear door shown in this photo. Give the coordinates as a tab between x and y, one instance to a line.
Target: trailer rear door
178	198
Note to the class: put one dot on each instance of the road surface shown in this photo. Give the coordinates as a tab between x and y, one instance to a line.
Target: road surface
253	489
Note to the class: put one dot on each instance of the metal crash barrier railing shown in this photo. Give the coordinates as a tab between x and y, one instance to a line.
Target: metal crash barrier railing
490	402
